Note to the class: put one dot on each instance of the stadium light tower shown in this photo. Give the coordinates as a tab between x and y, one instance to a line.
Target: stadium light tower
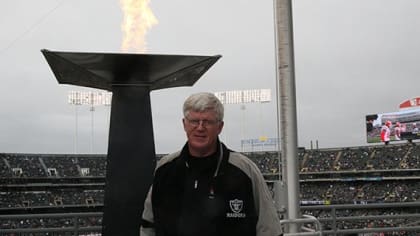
243	108
91	98
242	97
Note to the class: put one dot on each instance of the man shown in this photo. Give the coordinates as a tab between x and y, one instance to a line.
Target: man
206	189
397	131
386	132
415	128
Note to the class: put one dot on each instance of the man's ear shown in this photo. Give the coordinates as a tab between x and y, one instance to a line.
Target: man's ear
183	123
221	124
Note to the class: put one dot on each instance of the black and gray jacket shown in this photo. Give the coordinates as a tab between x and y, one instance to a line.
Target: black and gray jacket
221	195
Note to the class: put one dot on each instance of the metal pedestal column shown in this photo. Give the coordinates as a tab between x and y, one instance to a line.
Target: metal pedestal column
131	160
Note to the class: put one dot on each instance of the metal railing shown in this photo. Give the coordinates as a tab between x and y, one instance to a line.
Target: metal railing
333	220
305	231
308	225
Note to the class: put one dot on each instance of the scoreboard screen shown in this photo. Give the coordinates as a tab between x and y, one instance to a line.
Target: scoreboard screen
401	125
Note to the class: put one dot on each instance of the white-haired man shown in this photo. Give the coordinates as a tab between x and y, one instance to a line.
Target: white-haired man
206	189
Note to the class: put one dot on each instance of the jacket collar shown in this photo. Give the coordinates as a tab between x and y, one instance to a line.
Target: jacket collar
223	157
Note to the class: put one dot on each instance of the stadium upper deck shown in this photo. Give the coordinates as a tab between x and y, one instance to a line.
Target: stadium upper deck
50	183
396	157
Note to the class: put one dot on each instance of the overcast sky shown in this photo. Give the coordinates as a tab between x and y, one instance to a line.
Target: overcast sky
353	58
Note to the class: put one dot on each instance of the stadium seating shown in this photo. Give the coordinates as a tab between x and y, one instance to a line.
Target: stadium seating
57	183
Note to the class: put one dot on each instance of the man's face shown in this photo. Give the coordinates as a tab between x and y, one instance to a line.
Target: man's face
202	129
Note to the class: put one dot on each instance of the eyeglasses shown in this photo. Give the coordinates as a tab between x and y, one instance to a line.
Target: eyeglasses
205	123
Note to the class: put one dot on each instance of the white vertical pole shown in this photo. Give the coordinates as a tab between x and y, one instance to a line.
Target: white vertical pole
287	104
92	110
75	128
243	124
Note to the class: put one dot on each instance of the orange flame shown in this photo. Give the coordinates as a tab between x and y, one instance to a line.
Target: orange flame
138	19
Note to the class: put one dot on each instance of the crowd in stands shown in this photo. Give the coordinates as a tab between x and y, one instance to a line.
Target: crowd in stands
42	165
385	221
390	157
51	222
412	160
330	192
369	158
361	191
268	162
55	197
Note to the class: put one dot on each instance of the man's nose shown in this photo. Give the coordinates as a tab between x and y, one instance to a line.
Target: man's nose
201	125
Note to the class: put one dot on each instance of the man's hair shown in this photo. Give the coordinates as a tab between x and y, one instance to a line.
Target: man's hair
200	102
